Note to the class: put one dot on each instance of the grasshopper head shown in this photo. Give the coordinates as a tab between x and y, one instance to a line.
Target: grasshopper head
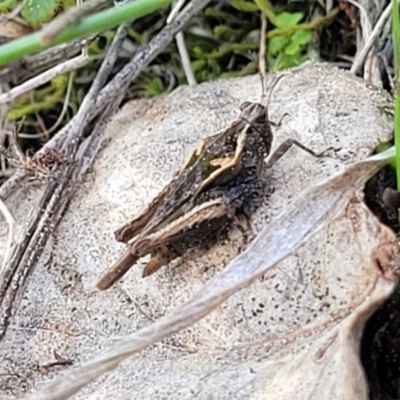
253	112
260	134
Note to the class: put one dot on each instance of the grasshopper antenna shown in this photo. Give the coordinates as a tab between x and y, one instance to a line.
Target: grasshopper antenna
271	89
261	62
262	54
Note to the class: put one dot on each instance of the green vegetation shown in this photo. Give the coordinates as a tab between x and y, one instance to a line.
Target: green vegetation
93	24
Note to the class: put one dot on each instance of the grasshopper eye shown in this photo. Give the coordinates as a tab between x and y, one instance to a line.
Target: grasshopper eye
245	105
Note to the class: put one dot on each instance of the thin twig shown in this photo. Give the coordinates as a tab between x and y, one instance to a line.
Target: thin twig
70	145
175	10
65	103
122	79
180	43
185	60
11	229
89	149
3	127
67	66
365	22
371	40
371	60
262	53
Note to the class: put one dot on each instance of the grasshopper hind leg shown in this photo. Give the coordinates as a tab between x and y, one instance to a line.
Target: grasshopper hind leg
159	257
118	270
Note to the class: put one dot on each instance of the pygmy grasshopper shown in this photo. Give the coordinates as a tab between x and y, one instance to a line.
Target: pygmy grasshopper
219	182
